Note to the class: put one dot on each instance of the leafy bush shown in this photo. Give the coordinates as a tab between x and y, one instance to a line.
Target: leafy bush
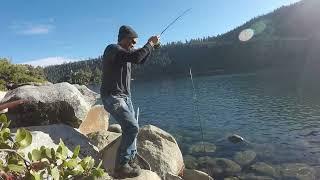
43	163
18	73
2	85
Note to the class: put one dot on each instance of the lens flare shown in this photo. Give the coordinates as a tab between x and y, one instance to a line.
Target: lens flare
254	30
258	27
246	35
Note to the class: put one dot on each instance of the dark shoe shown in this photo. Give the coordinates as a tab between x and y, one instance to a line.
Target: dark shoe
126	171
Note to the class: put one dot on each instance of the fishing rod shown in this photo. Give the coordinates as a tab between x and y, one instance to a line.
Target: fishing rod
169	25
175	20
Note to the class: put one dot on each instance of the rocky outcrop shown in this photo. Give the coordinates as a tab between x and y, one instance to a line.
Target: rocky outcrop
2	94
49	136
156	146
161	150
96	120
12	86
89	95
146	175
109	154
102	138
170	176
49	104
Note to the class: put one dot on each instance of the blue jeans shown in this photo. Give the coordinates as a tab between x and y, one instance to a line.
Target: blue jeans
121	108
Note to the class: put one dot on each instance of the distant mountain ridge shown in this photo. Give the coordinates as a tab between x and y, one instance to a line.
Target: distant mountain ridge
283	38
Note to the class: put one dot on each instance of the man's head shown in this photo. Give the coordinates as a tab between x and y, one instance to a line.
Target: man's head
127	37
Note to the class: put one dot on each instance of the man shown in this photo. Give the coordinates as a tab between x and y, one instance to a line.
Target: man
116	95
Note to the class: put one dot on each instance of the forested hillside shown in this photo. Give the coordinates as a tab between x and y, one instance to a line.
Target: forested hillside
282	39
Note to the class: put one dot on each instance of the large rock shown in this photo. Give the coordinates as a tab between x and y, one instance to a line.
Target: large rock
109	154
245	157
220	167
49	136
89	95
2	94
102	138
170	176
161	150
263	169
156	146
12	86
297	171
96	120
192	174
146	175
48	104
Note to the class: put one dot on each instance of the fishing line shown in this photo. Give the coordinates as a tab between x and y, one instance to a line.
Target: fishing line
196	108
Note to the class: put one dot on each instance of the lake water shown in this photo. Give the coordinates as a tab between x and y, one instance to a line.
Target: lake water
281	124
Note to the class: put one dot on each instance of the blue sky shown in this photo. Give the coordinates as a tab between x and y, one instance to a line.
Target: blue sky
44	32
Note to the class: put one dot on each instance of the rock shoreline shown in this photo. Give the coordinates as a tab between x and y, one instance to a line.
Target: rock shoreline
72	115
66	111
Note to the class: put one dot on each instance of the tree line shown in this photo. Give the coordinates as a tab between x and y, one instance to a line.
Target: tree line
282	39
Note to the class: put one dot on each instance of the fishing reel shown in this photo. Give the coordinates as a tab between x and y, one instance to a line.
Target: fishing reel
157	46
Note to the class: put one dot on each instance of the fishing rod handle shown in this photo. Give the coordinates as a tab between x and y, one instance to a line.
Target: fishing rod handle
157	46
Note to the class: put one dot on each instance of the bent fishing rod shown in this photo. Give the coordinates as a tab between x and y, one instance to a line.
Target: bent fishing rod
190	73
175	20
194	89
169	25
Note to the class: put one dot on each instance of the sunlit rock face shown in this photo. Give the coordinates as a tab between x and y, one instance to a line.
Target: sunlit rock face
48	104
96	120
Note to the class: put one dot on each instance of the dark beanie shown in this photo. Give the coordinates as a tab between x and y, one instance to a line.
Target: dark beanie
125	32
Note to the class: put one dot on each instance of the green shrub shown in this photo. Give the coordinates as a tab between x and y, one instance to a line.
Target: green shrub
44	162
18	73
2	85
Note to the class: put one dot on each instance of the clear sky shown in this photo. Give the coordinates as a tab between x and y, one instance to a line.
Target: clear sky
46	31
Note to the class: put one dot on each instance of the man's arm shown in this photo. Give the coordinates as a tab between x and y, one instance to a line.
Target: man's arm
145	59
138	56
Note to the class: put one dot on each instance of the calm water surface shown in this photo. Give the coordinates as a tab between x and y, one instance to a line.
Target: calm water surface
281	124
